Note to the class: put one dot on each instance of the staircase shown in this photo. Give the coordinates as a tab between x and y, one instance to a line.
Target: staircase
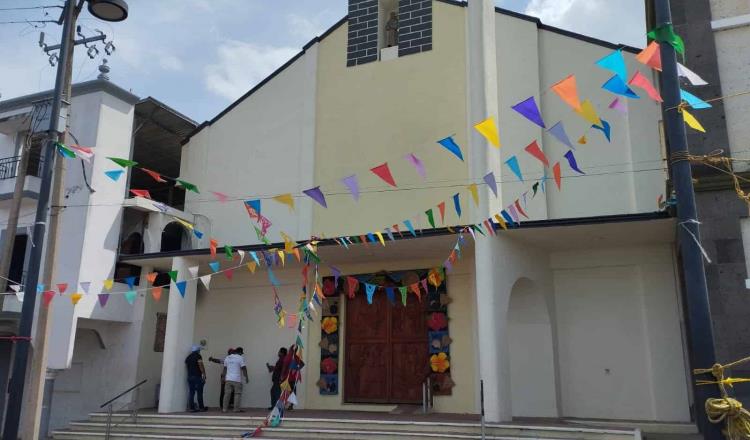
219	426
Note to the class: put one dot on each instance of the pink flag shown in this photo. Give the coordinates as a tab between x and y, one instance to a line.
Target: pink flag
619	105
417	163
220	196
141	193
640	80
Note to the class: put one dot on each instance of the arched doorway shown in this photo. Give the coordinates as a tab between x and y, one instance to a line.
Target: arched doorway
532	359
174	237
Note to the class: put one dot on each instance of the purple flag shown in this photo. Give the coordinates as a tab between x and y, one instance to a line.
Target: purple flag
317	195
513	213
572	162
489	179
336	274
417	163
353	185
530	111
448	265
619	105
558	131
103	298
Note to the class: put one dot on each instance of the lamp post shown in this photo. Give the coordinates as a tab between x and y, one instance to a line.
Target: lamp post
108	10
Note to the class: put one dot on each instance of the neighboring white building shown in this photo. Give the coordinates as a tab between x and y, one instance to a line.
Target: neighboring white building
575	314
87	339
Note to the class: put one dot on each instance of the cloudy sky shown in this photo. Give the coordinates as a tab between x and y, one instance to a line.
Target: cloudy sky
200	55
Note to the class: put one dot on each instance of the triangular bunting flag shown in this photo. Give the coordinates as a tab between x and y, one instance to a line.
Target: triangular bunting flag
558	131
534	150
417	164
617	86
141	193
513	165
451	145
501	221
108	284
85	285
156	293
488	129
692	77
103	298
572	162
286	199
384	173
181	286
214	265
410	227
62	287
206	280
556	173
693	101
430	217
154	175
474	193
65	151
370	291
212	244
221	197
187	186
74	298
604	128
457	204
619	105
317	195
614	62
403	291
151	277
665	34
193	272
228	252
352	284
530	111
568	92
650	56
130	281
519	209
588	112
172	275
390	292
489	179
441	209
251	266
640	80
114	174
352	184
84	153
692	122
229	273
125	163
130	296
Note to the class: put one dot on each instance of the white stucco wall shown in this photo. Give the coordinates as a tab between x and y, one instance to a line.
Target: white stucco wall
263	147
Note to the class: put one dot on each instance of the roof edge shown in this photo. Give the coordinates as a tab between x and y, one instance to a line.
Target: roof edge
575	221
78	89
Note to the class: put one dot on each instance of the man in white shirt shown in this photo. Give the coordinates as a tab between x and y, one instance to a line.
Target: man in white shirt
234	365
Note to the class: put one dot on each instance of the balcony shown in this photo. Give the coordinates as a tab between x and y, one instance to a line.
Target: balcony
9	171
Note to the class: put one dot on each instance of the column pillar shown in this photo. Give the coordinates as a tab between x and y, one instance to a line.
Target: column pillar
492	302
178	339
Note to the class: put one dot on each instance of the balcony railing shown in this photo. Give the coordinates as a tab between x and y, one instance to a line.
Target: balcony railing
9	166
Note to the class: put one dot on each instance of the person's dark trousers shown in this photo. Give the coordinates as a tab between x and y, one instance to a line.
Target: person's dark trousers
195	386
275	393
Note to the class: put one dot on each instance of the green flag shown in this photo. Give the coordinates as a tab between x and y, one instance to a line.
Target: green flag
173	275
666	34
188	186
430	217
299	342
65	151
228	251
403	291
125	163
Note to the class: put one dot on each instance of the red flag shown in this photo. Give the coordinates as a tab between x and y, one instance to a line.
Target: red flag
229	273
141	193
156	293
384	173
518	207
490	228
62	287
212	246
415	288
48	295
156	176
534	150
353	284
441	208
395	228
556	171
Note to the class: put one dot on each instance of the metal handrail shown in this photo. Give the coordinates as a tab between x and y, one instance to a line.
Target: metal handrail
133	414
9	166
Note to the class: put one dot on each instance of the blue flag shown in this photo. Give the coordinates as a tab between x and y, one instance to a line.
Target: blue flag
513	165
457	204
693	100
181	285
410	227
572	162
370	291
215	266
617	86
390	292
605	128
114	174
451	146
616	63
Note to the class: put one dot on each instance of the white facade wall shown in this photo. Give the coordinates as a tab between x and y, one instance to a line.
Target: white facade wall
263	147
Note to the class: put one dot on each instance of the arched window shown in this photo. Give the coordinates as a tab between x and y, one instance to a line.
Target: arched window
174	237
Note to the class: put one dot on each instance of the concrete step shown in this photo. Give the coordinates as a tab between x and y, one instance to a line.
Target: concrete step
233	425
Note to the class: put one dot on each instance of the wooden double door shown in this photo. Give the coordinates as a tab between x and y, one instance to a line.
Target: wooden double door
386	350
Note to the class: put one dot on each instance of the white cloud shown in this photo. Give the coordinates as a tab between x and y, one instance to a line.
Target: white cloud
241	65
308	27
616	21
171	62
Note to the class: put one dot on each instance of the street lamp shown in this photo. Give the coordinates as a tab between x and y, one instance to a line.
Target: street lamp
108	10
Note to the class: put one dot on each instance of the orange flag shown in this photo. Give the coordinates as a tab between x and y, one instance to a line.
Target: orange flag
650	56
156	293
568	92
558	177
151	277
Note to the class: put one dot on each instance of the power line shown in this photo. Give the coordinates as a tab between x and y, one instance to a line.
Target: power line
31	22
28	8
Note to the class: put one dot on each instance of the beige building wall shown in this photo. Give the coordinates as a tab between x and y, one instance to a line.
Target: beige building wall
381	111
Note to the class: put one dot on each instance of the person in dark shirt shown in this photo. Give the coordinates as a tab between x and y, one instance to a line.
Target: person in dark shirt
275	371
221	394
196	378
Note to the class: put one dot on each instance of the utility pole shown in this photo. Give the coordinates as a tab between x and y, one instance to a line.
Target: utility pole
20	361
700	327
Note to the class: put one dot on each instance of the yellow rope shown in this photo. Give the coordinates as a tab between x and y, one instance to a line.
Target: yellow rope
725	408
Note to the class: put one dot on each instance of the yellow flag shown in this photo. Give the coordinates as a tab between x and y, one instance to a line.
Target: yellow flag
474	193
501	221
488	129
692	122
380	237
295	251
286	199
108	284
251	266
74	298
288	242
582	140
184	223
588	112
282	255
